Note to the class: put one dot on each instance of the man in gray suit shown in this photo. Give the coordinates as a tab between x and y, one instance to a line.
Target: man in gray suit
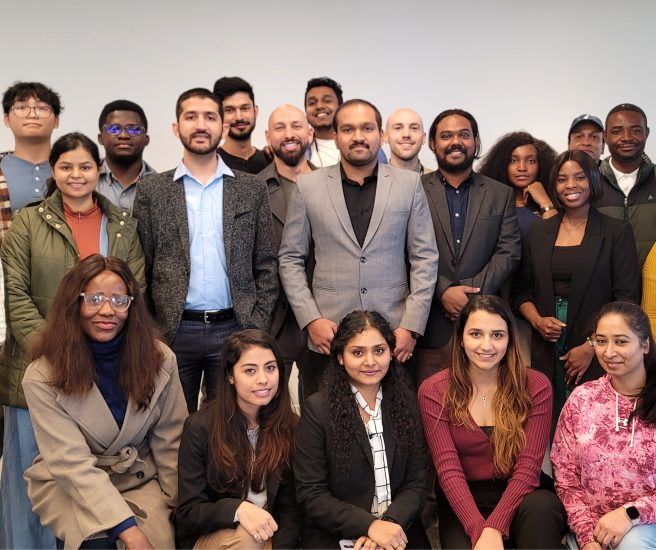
208	241
364	220
475	226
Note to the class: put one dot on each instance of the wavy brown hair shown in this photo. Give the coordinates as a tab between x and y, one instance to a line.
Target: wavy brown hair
512	402
236	467
63	342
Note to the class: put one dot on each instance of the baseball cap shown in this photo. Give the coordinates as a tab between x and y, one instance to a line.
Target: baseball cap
585	118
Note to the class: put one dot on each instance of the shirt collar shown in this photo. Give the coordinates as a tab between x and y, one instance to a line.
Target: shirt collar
222	169
372	177
463	185
146	170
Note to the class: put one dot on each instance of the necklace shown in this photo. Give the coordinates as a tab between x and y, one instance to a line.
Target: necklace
573	227
484	395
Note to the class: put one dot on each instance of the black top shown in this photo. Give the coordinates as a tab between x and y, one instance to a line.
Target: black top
457	199
252	165
563	262
360	201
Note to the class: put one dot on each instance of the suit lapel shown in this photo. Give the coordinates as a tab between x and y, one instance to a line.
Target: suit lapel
390	443
438	202
474	203
363	440
336	194
179	206
543	271
229	210
383	188
277	201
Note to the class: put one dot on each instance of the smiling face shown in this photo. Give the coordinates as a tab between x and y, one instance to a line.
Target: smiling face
619	349
405	134
255	377
485	339
288	134
588	137
626	136
239	114
76	176
102	325
523	167
454	144
366	359
320	106
572	186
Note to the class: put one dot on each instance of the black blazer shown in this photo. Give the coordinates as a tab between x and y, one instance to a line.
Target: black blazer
337	506
607	271
202	510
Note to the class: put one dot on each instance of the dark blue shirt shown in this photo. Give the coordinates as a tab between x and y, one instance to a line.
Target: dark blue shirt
457	198
106	356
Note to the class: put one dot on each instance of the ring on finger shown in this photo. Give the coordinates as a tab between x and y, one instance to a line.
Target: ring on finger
256	536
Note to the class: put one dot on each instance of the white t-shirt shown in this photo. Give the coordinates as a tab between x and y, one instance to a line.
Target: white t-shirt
625	181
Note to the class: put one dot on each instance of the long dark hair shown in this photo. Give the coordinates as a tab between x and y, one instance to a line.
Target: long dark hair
235	465
63	342
399	400
512	402
638	322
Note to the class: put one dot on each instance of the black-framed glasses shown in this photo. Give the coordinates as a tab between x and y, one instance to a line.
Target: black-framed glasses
96	300
23	111
117	129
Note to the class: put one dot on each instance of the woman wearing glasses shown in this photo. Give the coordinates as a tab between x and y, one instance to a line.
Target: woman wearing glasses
108	410
43	243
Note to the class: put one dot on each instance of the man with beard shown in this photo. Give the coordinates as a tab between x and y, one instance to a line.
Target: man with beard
629	176
124	135
475	228
405	135
239	115
363	220
288	136
208	242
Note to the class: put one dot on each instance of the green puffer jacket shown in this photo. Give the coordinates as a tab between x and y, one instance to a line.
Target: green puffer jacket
37	253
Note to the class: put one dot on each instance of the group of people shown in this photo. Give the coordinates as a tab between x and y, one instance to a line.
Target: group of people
131	296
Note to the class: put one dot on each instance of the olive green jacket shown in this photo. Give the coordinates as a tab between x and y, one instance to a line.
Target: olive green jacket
36	254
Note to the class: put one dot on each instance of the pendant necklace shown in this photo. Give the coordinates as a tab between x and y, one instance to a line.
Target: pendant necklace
573	227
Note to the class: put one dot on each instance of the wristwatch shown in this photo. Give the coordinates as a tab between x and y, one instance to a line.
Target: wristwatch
632	513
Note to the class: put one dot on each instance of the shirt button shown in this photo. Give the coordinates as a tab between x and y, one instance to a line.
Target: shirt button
125	213
363	290
458	241
57	225
36	167
48	216
457	215
457	192
41	209
37	190
37	178
122	222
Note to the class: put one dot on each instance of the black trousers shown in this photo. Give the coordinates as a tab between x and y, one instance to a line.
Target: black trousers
540	521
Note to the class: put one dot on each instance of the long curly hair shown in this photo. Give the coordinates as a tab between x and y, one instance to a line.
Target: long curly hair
512	402
495	163
399	400
638	322
235	465
64	343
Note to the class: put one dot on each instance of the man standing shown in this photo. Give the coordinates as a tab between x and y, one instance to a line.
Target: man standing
208	244
586	133
123	132
405	135
629	176
363	220
239	115
288	136
31	112
475	226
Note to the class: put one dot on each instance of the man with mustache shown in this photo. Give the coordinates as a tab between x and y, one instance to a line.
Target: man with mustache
629	176
288	136
405	135
586	133
239	116
363	220
208	242
475	227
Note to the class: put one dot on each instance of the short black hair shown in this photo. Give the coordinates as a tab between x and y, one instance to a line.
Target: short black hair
197	92
453	112
230	85
626	107
122	105
328	83
356	101
20	91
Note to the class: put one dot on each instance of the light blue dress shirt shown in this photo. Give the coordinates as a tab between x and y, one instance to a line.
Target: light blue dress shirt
209	287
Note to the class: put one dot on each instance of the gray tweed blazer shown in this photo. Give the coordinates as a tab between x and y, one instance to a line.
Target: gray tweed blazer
249	246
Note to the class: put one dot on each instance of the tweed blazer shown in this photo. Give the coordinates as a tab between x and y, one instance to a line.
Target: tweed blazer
489	252
348	276
73	488
161	210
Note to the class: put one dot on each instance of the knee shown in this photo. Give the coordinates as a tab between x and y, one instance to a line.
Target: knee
640	536
542	505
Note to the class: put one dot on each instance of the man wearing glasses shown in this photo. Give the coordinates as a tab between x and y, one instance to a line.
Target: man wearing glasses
31	112
124	135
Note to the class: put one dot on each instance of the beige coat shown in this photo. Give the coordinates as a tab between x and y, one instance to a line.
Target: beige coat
72	484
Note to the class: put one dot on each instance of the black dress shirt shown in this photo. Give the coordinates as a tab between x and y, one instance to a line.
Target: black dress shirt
360	201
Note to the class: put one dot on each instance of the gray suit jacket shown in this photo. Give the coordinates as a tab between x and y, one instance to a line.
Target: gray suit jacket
347	276
248	239
490	249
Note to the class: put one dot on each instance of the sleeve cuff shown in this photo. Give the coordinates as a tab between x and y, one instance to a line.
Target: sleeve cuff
114	532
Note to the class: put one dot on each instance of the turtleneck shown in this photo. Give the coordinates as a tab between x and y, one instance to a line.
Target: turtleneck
106	356
86	229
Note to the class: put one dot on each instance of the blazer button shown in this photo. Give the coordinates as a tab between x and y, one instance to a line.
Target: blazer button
363	260
363	290
453	262
140	475
118	235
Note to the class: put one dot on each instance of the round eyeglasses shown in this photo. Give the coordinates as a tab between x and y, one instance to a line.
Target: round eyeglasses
96	300
23	111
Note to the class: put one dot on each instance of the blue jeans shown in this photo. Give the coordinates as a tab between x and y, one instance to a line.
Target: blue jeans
20	526
197	347
640	537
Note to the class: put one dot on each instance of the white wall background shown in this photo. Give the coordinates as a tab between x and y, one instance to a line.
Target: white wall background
514	64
